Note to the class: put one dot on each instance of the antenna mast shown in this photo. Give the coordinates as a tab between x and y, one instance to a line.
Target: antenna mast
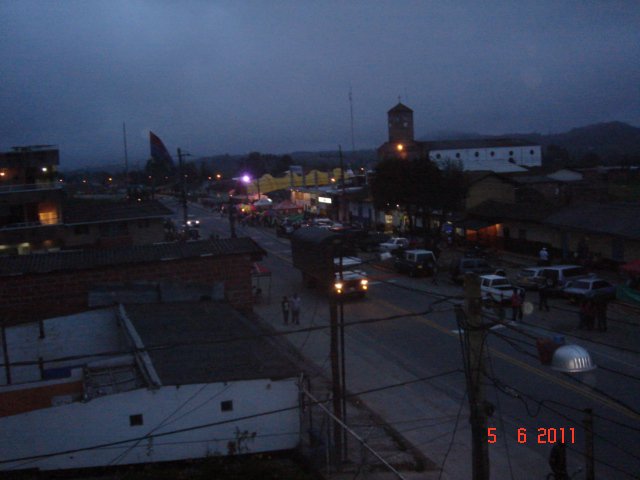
353	145
126	155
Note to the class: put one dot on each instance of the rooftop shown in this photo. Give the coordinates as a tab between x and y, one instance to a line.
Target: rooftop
619	219
87	259
206	342
83	211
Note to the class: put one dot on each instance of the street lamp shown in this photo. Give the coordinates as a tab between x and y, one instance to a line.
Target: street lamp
247	179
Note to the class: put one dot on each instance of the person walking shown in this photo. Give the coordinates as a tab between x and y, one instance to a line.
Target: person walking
295	309
587	314
516	305
601	314
543	296
543	257
285	310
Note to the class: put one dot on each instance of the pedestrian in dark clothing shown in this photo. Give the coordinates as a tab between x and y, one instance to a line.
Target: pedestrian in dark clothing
587	314
295	309
601	314
516	306
543	295
285	310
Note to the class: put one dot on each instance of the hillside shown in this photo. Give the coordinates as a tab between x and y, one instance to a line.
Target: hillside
608	143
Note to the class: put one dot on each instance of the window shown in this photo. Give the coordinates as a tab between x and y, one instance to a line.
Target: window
437	155
531	152
477	154
226	406
458	155
492	153
511	153
135	420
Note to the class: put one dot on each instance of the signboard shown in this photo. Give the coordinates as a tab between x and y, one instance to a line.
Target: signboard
324	199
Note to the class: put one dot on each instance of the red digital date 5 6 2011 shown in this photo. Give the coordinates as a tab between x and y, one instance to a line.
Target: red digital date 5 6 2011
544	435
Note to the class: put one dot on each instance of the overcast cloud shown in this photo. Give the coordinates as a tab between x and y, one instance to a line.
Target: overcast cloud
217	77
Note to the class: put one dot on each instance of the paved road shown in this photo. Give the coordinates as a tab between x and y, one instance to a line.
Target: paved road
433	413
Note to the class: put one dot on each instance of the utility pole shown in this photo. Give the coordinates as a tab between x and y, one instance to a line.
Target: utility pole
126	156
343	213
475	336
183	191
335	379
588	444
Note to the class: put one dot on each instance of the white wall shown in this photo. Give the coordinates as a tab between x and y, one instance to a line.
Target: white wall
85	333
106	419
498	162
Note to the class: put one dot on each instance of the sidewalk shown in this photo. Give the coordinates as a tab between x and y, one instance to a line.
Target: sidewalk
421	414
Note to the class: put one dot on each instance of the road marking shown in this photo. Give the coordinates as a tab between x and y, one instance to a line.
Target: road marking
525	366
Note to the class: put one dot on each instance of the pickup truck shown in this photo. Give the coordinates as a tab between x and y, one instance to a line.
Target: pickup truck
496	288
316	253
415	262
394	243
353	282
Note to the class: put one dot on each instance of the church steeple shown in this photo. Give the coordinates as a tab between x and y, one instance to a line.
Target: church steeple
400	124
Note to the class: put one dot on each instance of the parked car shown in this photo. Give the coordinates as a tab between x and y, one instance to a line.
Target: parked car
415	262
531	278
394	243
558	276
593	287
460	267
496	288
371	241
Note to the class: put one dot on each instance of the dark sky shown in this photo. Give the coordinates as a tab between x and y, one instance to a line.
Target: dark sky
216	77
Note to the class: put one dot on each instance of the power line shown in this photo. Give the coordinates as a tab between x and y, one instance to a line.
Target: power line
221	422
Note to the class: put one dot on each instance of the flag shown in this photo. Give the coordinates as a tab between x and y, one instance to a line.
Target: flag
158	151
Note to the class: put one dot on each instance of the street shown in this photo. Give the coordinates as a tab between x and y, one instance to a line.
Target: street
405	336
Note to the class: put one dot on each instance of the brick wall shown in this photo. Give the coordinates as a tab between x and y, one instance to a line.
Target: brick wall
27	298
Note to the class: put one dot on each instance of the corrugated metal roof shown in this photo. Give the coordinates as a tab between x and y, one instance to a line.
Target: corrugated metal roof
620	219
86	259
82	210
206	342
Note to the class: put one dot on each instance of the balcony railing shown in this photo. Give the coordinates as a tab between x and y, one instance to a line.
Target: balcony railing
30	187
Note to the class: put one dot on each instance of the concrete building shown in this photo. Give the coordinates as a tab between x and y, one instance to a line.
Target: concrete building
37	214
34	287
493	154
30	199
141	383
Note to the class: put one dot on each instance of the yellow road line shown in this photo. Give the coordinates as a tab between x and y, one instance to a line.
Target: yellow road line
536	371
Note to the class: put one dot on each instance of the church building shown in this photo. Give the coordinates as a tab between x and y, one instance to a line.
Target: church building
494	154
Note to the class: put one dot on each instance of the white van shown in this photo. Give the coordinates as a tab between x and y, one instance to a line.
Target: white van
558	276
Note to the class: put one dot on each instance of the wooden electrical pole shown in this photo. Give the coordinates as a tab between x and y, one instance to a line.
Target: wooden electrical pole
335	378
588	444
183	190
475	335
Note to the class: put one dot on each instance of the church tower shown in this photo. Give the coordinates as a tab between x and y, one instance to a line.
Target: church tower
400	124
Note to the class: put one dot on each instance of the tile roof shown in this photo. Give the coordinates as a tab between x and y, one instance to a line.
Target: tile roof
83	210
477	143
620	219
86	259
195	343
498	211
400	107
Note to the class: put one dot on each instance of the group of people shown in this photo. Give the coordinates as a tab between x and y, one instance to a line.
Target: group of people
291	305
592	311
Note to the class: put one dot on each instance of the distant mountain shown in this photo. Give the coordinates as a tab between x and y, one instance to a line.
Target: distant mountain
611	142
